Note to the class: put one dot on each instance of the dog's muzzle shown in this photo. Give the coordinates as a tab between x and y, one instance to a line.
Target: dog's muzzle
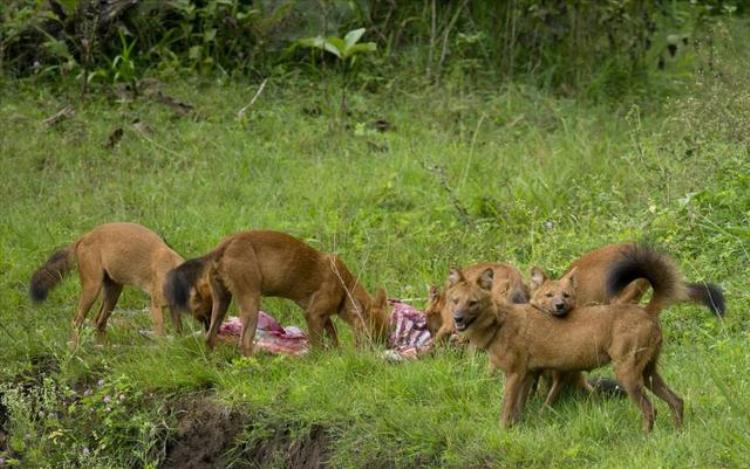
560	310
461	323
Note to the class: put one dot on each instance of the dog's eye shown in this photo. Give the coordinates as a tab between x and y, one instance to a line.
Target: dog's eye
565	295
472	303
548	295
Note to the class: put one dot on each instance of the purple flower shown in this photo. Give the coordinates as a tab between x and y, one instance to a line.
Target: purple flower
107	398
87	392
100	383
86	451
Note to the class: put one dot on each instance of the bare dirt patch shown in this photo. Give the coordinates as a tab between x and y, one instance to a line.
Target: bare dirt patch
205	432
212	435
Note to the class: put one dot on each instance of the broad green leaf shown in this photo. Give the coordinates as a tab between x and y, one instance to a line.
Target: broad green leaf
337	43
353	36
360	48
332	49
316	41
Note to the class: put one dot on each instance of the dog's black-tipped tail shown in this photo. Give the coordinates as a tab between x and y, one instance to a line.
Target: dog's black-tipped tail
709	295
640	261
180	280
51	273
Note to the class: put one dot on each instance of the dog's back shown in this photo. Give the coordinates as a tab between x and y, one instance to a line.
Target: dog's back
588	337
130	254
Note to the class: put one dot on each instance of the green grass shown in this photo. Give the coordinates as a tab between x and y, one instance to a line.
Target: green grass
512	174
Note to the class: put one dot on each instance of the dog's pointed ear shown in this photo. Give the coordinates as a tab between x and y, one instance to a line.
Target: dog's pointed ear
433	294
485	280
455	276
538	277
572	277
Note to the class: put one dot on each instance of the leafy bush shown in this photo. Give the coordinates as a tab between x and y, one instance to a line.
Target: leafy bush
607	47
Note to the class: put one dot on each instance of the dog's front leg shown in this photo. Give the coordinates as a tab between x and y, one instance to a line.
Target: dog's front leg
249	304
511	393
444	333
221	299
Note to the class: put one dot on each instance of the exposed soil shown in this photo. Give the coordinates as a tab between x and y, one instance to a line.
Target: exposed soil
3	426
205	432
209	435
284	449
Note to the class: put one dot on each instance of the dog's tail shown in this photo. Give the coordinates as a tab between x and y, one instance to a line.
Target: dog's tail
707	294
641	261
183	277
51	273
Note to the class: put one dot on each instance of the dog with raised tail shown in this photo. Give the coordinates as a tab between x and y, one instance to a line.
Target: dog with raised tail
522	342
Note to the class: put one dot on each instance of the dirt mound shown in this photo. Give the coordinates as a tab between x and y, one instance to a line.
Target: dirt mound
205	432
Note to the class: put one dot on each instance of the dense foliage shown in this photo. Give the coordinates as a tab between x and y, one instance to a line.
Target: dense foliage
610	46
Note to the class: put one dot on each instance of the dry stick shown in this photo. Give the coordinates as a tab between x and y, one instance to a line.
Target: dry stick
351	298
471	150
241	112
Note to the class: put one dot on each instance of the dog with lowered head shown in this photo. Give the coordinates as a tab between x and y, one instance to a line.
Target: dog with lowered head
108	257
523	342
251	264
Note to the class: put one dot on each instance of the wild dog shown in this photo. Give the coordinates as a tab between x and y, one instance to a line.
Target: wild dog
555	297
108	257
584	283
589	273
252	264
522	342
508	285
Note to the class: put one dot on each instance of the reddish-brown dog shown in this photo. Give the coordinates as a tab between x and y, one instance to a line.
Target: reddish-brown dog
508	285
252	264
584	283
108	257
522	342
588	274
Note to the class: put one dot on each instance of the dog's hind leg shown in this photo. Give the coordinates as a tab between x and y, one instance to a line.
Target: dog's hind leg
632	293
632	381
111	293
657	385
91	275
525	392
558	383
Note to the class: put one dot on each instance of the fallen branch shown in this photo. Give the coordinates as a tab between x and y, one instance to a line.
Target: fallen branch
241	112
65	113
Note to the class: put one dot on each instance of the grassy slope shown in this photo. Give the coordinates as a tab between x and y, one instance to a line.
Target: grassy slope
542	180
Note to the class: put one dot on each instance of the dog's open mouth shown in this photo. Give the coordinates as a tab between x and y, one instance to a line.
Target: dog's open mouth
463	325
